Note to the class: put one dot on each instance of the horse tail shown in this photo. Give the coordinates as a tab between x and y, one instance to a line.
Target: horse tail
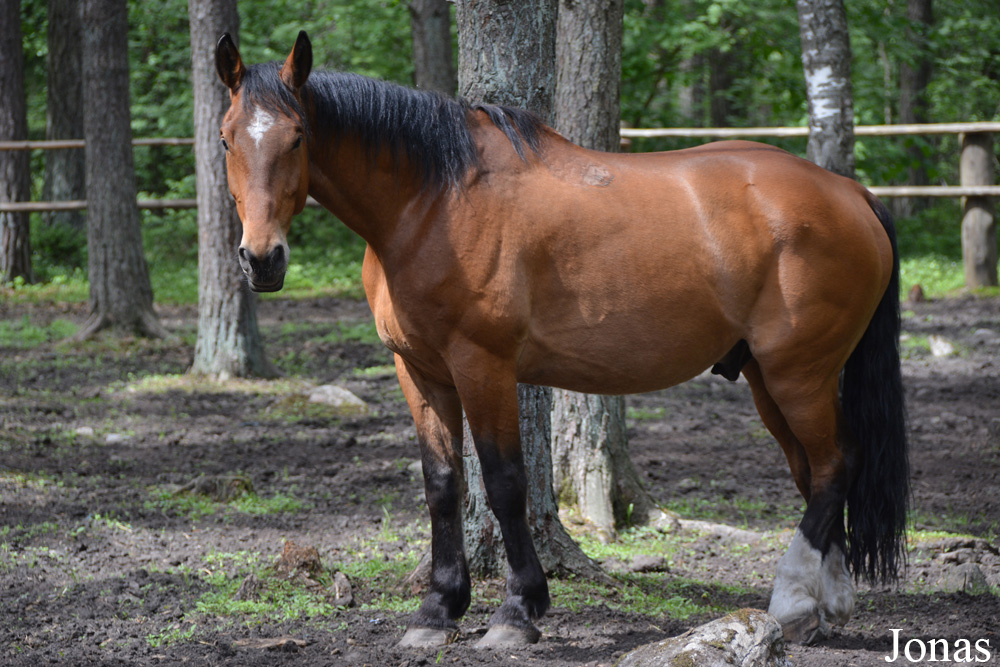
872	400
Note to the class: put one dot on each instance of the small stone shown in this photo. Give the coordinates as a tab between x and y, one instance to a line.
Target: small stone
340	398
116	439
985	337
343	595
688	484
940	346
647	563
85	432
249	589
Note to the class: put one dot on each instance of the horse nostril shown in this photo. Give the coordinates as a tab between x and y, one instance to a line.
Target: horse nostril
276	256
245	254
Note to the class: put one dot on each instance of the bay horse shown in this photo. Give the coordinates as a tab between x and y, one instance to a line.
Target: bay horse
499	252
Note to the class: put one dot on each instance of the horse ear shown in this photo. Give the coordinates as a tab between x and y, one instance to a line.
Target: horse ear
299	63
228	62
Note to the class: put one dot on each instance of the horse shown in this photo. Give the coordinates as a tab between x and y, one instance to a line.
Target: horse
500	253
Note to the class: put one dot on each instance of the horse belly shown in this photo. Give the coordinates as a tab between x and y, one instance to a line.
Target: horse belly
627	356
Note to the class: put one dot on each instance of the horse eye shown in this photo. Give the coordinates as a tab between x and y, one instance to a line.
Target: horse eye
298	142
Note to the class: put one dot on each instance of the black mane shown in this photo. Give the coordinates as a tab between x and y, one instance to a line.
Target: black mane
427	128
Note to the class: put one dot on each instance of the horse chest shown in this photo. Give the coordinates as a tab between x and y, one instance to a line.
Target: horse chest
391	335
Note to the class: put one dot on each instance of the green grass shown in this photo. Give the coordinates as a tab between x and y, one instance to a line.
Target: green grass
644	414
195	506
738	511
937	275
22	334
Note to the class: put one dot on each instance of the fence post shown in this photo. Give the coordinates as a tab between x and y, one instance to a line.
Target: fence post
979	229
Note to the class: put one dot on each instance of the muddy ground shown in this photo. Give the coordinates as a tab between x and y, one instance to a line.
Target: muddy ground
105	560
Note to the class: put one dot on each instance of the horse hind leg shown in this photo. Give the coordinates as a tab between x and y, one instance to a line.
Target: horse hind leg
813	589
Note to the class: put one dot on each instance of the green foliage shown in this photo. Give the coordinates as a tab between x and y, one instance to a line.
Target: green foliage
23	334
195	506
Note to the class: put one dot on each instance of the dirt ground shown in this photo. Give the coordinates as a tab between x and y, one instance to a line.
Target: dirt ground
98	567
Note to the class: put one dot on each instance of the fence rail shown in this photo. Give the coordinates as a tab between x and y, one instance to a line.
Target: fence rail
859	130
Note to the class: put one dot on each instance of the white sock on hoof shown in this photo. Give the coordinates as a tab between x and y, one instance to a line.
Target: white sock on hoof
808	584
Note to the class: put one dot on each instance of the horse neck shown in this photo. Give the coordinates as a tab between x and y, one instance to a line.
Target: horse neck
369	195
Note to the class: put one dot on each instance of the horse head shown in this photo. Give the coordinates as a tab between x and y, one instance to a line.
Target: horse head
264	134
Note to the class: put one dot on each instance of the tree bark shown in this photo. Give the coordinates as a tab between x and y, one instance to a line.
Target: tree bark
64	169
589	72
506	55
826	59
433	62
15	179
120	293
592	470
229	342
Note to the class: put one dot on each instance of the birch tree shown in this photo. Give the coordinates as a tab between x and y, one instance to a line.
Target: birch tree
826	59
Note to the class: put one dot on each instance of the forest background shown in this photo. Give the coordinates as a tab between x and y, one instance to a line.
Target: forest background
690	63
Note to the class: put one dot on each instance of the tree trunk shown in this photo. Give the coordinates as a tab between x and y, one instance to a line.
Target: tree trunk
229	343
64	169
589	72
120	293
826	59
433	64
15	179
914	77
592	470
506	55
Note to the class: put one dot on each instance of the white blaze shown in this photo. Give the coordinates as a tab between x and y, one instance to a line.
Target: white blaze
261	123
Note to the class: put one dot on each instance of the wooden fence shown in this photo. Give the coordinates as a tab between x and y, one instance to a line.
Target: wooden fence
977	187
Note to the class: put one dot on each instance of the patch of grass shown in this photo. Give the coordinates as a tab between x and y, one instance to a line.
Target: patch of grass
657	594
937	275
195	506
951	524
279	503
279	599
644	414
22	334
298	407
744	512
172	634
361	332
375	372
187	383
64	286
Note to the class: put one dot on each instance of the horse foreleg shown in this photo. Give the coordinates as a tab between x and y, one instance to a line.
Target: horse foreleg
437	414
491	406
813	588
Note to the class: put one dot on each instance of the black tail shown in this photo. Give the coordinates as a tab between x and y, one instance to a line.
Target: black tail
872	400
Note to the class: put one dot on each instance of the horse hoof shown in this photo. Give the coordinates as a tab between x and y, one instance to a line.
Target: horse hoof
509	635
427	637
806	630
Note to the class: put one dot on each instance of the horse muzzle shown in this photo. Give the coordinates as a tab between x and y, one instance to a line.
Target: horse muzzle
267	273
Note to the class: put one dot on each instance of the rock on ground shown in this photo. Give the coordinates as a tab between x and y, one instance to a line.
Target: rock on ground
748	637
